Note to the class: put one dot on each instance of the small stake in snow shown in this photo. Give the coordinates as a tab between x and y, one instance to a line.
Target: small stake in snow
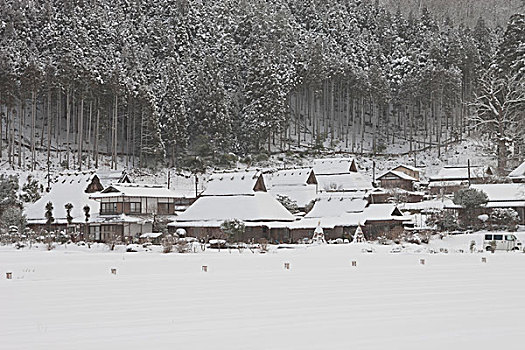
354	263
204	268
483	260
113	271
422	261
287	266
9	275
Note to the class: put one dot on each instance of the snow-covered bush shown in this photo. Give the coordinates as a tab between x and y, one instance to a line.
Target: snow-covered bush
288	203
443	220
31	190
233	229
504	219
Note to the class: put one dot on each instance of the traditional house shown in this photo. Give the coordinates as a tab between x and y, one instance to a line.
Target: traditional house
340	175
334	166
339	214
129	210
397	179
409	170
300	185
241	196
518	174
452	178
113	177
336	213
72	188
505	196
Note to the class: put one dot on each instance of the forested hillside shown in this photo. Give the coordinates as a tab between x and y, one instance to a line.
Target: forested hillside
495	12
151	82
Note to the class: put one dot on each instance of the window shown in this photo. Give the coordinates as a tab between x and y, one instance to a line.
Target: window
163	208
135	207
510	237
108	208
498	237
488	237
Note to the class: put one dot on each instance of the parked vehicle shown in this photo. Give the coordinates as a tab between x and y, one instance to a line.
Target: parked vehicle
500	241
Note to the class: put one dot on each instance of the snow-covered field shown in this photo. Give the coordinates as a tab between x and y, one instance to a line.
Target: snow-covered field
68	299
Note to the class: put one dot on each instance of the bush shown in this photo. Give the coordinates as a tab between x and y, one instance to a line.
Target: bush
289	204
470	198
504	219
443	221
233	229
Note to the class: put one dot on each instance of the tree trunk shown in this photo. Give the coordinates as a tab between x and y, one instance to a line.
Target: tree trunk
68	120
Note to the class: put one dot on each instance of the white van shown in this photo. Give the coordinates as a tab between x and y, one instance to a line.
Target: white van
503	242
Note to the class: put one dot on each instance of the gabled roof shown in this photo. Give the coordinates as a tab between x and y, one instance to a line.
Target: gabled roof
113	177
373	212
235	183
142	190
337	204
292	177
519	172
454	173
259	206
398	174
409	167
382	212
332	166
69	187
502	192
344	182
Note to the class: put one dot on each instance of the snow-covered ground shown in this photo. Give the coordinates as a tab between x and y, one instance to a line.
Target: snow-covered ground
68	299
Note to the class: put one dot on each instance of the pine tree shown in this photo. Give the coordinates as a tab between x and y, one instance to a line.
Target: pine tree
49	215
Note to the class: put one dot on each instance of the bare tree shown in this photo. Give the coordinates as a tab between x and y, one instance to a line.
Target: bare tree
500	112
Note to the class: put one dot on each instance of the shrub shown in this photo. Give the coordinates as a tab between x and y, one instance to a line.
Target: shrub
504	219
470	198
233	229
443	221
288	203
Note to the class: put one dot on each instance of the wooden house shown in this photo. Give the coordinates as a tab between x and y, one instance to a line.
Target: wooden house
129	210
505	196
452	178
339	214
409	170
68	187
236	195
397	179
340	175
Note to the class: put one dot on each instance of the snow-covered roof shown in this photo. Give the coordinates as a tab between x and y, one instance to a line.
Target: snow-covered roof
291	177
425	205
337	204
519	172
409	167
330	166
151	235
382	212
447	183
398	174
503	192
109	177
68	188
234	183
119	218
374	212
142	190
260	206
344	182
460	173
